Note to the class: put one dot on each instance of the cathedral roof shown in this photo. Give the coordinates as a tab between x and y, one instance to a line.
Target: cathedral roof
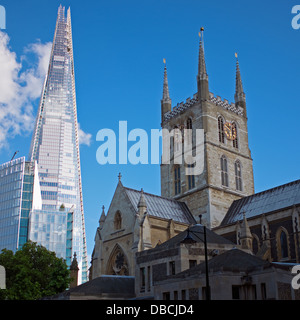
105	286
196	232
274	199
234	260
162	207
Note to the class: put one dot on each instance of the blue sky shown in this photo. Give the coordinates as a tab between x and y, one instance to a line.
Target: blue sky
119	48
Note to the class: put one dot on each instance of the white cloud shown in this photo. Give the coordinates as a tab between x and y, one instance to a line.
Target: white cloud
84	138
20	88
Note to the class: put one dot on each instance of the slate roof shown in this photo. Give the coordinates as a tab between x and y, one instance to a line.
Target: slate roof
162	207
196	233
106	285
270	200
234	260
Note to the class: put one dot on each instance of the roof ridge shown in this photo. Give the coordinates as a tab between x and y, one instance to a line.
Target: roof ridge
283	185
154	195
271	189
238	206
164	202
231	253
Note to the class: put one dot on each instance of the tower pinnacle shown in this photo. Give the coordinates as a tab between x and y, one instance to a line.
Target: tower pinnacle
102	218
239	97
166	102
246	236
142	201
166	94
202	77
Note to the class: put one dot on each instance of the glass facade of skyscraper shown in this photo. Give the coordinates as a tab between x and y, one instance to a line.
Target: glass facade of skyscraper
55	147
49	229
26	205
16	194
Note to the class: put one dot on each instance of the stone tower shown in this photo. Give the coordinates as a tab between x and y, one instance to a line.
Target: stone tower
227	172
74	272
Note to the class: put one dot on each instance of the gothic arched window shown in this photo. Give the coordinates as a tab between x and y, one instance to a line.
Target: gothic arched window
224	171
189	126
255	244
221	129
118	221
177	139
190	177
177	184
238	175
235	141
117	262
282	243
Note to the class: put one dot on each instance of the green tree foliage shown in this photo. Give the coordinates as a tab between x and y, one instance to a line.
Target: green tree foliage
32	273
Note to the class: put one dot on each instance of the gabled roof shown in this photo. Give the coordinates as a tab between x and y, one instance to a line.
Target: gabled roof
107	286
162	207
196	232
274	199
234	260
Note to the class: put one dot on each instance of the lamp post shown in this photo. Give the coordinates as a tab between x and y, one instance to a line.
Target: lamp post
189	240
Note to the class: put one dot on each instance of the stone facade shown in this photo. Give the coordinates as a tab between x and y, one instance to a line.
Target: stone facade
208	196
273	219
173	257
269	247
142	234
265	284
233	275
135	221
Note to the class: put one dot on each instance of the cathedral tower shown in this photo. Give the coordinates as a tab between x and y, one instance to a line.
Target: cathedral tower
228	171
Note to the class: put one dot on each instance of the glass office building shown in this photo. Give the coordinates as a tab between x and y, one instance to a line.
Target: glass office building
16	200
55	147
52	229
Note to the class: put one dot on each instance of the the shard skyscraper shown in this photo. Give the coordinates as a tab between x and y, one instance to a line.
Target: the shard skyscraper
55	147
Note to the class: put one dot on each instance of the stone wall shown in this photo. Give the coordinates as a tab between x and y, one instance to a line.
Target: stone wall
209	197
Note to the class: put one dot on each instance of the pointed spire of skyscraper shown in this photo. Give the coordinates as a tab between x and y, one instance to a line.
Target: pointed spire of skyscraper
57	118
202	77
239	97
166	102
60	13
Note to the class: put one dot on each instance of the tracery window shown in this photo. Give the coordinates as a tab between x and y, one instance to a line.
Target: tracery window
238	176
224	171
177	139
118	264
221	129
235	141
282	244
189	126
177	184
191	177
